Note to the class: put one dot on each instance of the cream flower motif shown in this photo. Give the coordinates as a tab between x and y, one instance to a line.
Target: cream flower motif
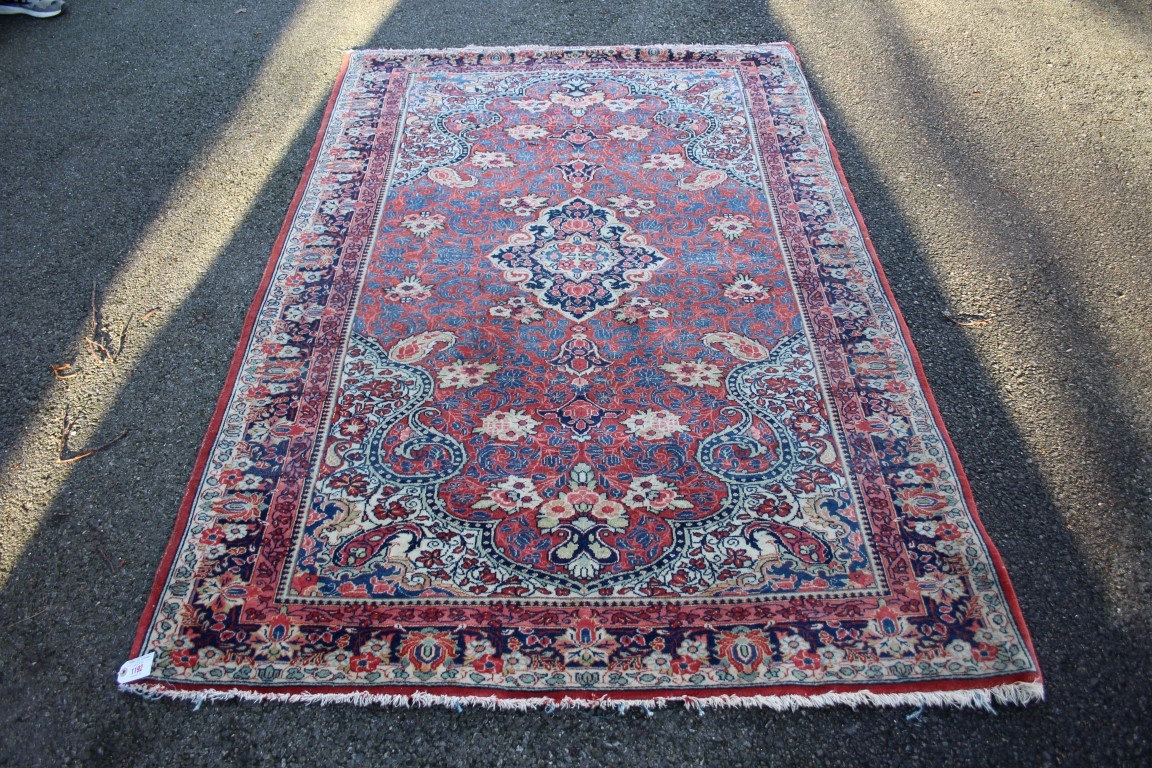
474	649
491	160
554	512
535	106
583	502
508	426
639	308
631	206
744	288
650	492
463	374
513	494
523	206
664	161
423	224
694	648
235	531
730	225
622	105
517	308
660	663
694	373
630	132
654	425
409	289
527	132
586	643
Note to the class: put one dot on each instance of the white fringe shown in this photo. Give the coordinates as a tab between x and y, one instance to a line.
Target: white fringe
978	698
678	47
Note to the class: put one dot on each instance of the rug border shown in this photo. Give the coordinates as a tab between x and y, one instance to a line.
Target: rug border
1018	688
210	435
969	498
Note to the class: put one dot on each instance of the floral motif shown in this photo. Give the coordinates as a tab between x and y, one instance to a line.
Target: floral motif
534	106
423	224
638	308
630	132
747	650
622	105
631	206
464	374
650	492
586	643
527	132
512	494
523	206
694	373
427	651
488	160
409	289
654	424
582	501
578	171
730	226
664	161
508	426
517	308
744	288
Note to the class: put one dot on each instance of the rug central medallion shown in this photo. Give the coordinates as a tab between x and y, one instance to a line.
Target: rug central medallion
577	258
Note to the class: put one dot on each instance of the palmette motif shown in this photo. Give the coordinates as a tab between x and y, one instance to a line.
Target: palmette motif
574	376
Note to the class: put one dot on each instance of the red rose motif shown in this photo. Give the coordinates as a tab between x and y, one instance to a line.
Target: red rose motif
363	663
684	665
183	658
489	664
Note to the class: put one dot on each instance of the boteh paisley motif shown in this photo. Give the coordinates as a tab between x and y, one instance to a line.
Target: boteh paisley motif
574	379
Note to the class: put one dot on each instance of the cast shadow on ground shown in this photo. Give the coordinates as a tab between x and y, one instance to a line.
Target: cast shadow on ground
100	138
99	603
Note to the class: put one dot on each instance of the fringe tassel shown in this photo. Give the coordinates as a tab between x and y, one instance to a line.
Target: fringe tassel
672	48
980	698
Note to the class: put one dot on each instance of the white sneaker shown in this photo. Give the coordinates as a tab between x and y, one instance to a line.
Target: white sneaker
41	9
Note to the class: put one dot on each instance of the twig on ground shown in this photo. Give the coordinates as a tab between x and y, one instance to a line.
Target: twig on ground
102	344
966	321
123	337
64	371
112	566
65	454
41	612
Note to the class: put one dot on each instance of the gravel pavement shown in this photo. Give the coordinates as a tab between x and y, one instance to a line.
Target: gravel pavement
1001	154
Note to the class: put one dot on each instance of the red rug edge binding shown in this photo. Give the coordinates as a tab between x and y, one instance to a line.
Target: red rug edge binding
1019	688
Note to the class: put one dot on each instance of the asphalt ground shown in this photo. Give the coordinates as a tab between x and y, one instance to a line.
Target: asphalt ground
1000	153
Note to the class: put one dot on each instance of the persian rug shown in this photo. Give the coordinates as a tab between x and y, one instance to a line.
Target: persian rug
574	380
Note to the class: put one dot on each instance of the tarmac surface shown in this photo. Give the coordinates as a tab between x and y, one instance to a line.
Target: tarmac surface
1001	154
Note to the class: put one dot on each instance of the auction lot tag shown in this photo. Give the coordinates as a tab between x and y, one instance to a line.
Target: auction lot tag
136	669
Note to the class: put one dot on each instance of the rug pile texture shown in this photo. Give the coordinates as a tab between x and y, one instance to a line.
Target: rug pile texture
573	379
